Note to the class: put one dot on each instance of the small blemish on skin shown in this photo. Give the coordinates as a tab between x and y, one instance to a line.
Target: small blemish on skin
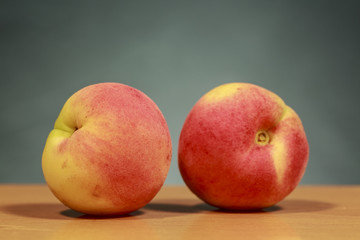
62	146
96	193
64	165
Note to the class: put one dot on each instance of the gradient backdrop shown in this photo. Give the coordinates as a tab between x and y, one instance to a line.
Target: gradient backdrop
308	52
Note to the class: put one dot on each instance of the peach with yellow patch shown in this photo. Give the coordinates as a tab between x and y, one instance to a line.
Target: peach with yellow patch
241	147
109	152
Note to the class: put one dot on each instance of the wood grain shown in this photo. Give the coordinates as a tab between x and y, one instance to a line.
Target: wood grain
310	212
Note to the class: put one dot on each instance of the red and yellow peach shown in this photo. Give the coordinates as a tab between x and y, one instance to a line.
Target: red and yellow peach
109	152
241	147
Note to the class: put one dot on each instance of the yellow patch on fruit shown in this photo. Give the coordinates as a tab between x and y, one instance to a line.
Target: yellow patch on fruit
279	158
223	91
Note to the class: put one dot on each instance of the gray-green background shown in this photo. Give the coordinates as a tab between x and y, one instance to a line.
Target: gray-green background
175	51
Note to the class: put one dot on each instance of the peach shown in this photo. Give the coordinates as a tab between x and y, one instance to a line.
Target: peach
109	152
241	148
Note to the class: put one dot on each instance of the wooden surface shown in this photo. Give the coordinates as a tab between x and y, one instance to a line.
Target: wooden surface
310	212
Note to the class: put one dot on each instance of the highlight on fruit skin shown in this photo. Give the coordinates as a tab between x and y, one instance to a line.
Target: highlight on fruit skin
109	152
242	148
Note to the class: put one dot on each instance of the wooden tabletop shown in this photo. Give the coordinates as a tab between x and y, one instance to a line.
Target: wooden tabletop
310	212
